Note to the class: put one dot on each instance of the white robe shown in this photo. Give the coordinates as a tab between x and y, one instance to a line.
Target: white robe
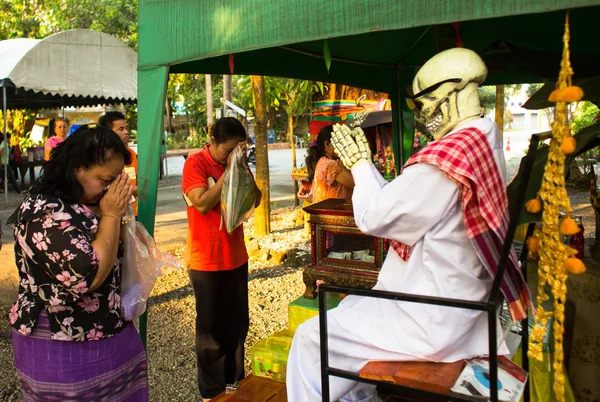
420	208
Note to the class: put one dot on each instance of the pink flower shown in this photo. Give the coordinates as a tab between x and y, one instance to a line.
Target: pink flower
54	257
56	309
64	224
26	205
38	205
80	287
62	336
40	241
13	315
24	246
32	284
67	321
61	216
56	305
66	278
24	330
95	334
68	255
114	300
88	304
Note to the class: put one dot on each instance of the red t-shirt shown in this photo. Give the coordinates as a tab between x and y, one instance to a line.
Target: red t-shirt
210	248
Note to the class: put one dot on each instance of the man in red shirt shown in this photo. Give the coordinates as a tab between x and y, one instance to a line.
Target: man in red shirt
217	262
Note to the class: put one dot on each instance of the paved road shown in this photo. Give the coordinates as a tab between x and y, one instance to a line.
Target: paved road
280	169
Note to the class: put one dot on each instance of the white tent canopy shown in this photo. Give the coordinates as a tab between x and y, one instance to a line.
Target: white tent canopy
72	68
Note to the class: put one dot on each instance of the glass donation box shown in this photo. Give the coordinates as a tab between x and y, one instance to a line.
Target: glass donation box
341	253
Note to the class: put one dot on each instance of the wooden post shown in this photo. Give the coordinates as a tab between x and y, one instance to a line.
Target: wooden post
332	91
500	108
262	223
293	145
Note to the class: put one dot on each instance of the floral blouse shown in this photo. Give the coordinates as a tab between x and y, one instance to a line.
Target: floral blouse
324	184
57	265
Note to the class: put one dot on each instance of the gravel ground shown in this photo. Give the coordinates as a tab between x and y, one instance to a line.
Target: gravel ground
272	286
171	355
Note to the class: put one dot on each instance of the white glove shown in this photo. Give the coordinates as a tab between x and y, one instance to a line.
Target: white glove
351	146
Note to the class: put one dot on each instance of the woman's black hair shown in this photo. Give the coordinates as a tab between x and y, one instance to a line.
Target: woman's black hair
88	146
52	126
318	151
227	128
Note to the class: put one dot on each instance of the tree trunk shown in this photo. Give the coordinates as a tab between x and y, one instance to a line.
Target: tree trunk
187	121
168	112
500	108
227	89
293	145
262	223
209	99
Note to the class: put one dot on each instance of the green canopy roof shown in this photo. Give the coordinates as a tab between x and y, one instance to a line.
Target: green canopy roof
371	42
374	44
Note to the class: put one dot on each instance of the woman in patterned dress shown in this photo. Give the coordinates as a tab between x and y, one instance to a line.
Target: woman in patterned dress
69	339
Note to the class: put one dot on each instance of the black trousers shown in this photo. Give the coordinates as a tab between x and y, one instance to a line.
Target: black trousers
222	322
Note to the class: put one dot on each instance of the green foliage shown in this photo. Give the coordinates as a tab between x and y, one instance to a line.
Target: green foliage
533	88
180	140
27	142
274	91
487	97
584	116
40	18
187	97
186	92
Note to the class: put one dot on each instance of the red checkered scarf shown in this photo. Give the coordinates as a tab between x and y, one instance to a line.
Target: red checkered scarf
467	159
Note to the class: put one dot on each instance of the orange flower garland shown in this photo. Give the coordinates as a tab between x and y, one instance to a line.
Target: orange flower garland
556	259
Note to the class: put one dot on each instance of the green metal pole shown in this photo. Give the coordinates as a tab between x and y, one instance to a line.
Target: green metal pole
152	84
402	124
408	131
397	125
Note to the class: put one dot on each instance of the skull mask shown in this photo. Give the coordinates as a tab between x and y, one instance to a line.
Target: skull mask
445	90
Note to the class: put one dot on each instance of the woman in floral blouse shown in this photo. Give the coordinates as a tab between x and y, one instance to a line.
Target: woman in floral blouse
330	179
69	339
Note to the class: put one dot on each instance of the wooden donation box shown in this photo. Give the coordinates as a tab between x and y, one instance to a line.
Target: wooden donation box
341	253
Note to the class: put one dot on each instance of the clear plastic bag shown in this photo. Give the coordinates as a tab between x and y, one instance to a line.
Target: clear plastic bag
237	195
142	265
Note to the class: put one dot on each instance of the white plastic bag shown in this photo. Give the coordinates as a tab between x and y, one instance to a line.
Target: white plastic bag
142	265
237	194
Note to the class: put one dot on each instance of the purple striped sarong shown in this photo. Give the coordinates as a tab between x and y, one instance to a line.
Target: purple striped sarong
112	369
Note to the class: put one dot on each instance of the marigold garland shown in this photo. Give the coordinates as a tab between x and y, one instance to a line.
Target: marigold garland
555	258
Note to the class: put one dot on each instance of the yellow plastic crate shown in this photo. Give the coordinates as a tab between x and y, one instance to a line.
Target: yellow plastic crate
270	356
303	309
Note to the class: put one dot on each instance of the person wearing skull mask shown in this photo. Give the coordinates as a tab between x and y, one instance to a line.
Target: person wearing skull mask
446	218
